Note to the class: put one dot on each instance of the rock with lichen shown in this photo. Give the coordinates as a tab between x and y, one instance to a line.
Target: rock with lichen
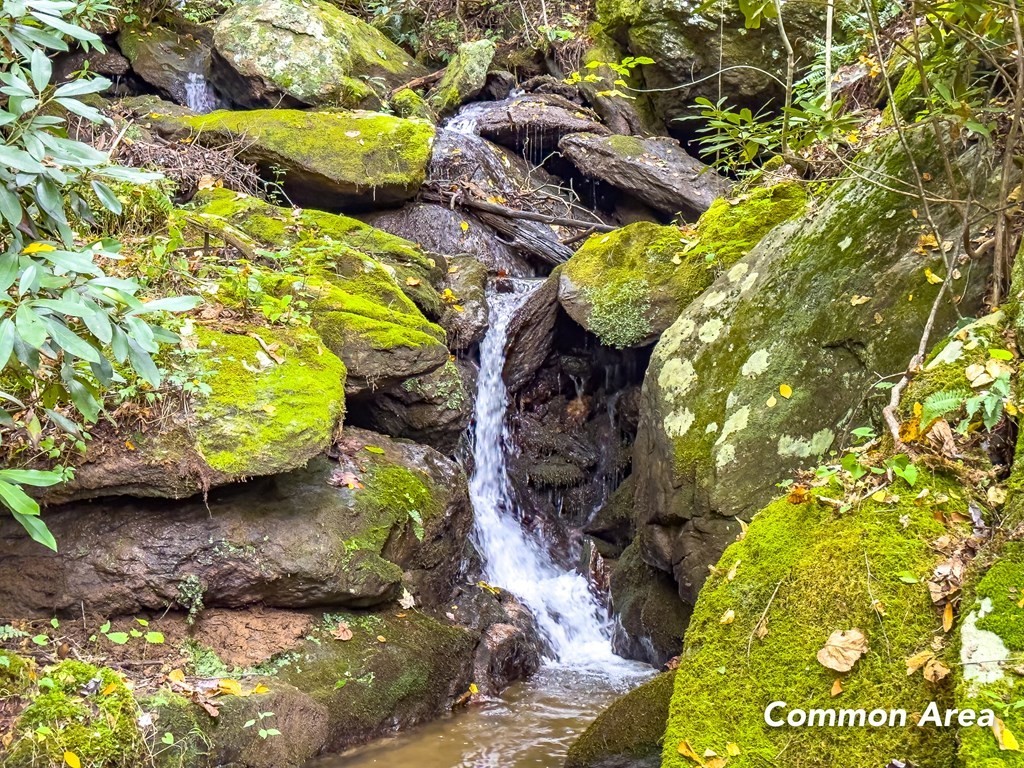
297	53
757	376
629	285
349	532
330	160
802	572
464	77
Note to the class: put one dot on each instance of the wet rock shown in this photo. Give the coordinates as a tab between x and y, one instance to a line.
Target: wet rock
109	64
330	160
166	58
509	646
304	53
434	409
651	617
498	86
533	124
438	229
408	103
612	526
466	316
261	416
531	334
656	171
464	78
817	561
628	734
629	285
345	533
755	377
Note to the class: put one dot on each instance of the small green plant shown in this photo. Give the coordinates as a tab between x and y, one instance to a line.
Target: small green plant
190	596
621	70
264	731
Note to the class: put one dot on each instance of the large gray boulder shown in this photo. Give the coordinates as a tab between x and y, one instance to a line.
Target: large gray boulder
759	374
305	53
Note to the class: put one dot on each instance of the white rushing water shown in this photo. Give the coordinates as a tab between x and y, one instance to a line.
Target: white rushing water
199	94
570	617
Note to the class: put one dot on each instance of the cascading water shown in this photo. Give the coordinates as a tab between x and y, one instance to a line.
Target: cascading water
570	617
199	94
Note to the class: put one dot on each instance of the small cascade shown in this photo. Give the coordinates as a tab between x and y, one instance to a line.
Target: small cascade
200	96
573	622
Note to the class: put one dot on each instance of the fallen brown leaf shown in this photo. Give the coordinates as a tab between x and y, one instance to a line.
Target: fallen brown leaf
843	649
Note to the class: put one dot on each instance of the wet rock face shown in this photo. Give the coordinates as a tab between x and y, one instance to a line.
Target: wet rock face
345	533
464	77
756	376
290	53
657	172
166	58
533	124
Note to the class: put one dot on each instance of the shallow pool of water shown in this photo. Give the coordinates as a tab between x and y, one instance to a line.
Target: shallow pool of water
530	726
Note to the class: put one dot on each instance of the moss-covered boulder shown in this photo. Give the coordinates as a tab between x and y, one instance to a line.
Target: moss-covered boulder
315	232
82	709
629	285
464	77
305	53
265	400
758	373
328	160
628	734
802	572
169	59
651	617
696	52
657	171
345	532
989	675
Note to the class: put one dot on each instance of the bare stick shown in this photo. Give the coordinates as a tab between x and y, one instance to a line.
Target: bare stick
764	615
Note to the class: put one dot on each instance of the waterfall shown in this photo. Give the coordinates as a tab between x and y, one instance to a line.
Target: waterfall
570	617
199	94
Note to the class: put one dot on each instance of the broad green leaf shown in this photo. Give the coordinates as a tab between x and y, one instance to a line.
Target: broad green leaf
37	530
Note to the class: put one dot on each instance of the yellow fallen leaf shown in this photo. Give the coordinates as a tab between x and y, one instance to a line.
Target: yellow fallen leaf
176	675
229	687
71	759
728	617
856	301
686	750
918	660
878	496
29	249
474	689
947	617
837	687
381	639
260	688
732	571
715	762
772	402
464	226
732	748
109	689
786	391
931	277
1004	737
413	281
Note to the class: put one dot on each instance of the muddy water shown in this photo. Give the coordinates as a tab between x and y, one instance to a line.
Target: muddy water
530	726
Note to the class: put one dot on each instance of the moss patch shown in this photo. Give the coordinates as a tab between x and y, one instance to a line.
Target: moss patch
631	729
261	415
821	561
82	709
629	285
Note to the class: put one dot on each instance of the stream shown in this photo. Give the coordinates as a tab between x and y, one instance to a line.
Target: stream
533	722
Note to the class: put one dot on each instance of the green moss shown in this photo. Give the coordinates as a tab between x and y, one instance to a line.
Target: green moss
261	414
631	729
627	146
993	598
820	563
15	674
324	240
189	726
464	77
98	725
635	281
408	103
393	495
365	149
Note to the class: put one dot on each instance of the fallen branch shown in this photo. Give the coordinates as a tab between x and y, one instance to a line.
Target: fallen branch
764	615
420	82
512	213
